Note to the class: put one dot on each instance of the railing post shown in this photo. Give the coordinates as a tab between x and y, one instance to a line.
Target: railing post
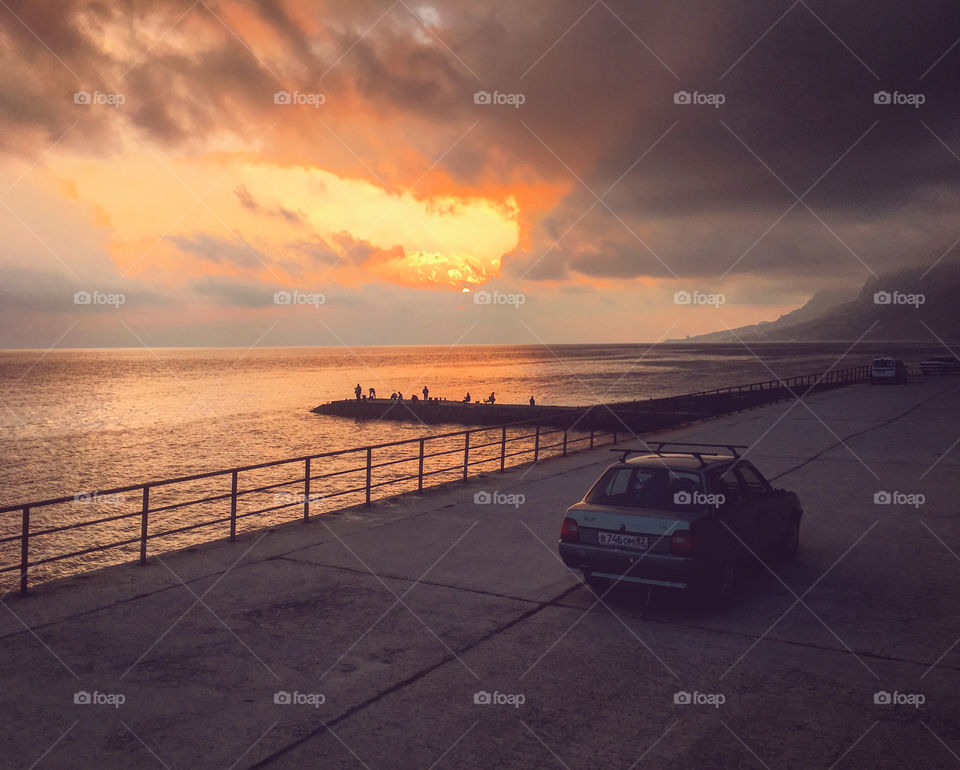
591	435
420	469
503	447
369	471
614	436
536	446
564	443
306	489
233	508
144	510
466	453
24	540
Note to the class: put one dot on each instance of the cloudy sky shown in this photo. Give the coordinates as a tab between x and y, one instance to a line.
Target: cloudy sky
283	172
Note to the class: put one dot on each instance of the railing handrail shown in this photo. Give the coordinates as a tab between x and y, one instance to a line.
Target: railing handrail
385	445
729	388
258	466
770	390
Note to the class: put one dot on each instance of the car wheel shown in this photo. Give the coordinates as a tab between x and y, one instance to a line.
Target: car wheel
790	544
598	585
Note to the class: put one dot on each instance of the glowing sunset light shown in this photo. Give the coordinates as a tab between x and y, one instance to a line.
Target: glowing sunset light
261	219
161	134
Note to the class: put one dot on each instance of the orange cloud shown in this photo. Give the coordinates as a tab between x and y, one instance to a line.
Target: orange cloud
186	218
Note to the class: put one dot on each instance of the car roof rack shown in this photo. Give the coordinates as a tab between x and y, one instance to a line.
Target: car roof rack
656	447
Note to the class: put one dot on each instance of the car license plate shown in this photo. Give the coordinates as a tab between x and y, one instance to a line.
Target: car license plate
637	542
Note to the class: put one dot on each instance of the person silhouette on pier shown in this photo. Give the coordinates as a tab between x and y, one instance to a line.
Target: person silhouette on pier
373	393
493	398
426	393
532	401
358	390
399	396
466	398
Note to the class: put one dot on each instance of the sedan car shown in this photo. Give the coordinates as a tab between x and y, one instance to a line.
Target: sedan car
687	519
940	365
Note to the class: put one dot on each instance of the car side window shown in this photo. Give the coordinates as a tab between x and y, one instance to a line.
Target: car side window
728	485
753	483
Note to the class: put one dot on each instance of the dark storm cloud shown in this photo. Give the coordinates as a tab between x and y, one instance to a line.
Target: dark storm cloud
795	105
701	187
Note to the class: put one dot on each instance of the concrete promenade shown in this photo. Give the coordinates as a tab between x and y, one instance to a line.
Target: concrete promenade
395	616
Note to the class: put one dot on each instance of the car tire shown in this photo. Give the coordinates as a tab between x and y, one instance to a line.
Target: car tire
790	544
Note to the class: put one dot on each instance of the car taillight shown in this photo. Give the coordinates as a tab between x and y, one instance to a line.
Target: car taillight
570	531
682	544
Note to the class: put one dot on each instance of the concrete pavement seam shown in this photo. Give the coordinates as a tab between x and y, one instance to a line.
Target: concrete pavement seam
843	440
272	557
270	759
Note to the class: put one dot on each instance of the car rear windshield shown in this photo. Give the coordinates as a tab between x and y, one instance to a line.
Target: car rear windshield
657	488
884	363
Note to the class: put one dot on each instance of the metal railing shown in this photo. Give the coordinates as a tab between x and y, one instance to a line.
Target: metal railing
381	467
437	459
659	413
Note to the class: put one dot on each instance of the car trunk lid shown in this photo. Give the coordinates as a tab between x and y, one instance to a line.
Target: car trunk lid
656	525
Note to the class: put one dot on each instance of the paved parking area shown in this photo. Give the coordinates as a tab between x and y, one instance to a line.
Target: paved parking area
384	624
